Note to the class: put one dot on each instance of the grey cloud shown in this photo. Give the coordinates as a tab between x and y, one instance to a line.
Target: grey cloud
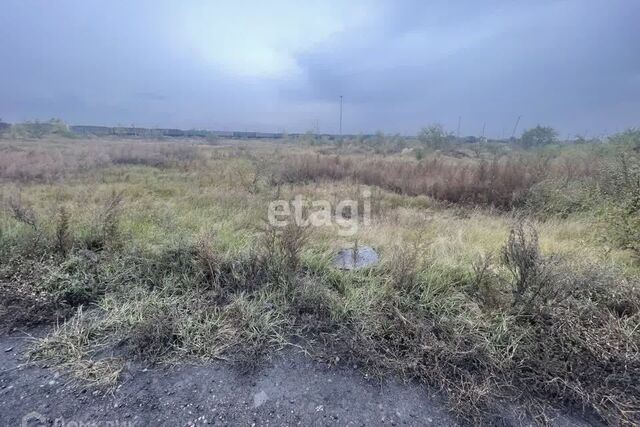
571	64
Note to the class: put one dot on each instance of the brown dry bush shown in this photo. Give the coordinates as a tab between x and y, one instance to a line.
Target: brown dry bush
483	286
535	279
151	154
44	162
501	182
574	334
105	231
281	248
63	238
33	239
208	257
403	267
23	213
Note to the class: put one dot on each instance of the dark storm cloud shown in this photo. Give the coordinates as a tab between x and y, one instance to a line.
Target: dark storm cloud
251	65
573	64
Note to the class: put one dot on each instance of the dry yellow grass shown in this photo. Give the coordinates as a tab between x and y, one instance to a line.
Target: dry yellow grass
193	251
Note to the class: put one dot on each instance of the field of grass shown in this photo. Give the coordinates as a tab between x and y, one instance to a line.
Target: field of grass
506	275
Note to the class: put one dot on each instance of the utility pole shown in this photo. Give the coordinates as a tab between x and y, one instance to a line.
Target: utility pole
458	131
484	125
513	134
340	115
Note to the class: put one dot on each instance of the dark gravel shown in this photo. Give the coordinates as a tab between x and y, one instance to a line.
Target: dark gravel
291	390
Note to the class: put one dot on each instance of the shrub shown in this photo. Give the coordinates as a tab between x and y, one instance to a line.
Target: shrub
23	213
154	333
23	301
502	181
31	241
4	128
62	233
403	267
549	333
314	306
282	248
75	282
28	162
630	138
435	136
499	182
535	279
583	349
105	232
539	135
621	192
553	197
623	218
38	129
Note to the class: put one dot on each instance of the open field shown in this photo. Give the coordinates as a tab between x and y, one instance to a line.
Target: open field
505	275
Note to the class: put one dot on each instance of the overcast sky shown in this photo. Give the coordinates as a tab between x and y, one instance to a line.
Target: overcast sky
282	65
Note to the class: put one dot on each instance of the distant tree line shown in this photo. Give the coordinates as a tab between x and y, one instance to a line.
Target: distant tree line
433	137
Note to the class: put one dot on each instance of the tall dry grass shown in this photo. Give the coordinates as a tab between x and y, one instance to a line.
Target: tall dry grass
501	182
45	161
522	327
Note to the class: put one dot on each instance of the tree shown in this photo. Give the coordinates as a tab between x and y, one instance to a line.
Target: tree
630	137
434	136
311	138
4	127
539	135
379	139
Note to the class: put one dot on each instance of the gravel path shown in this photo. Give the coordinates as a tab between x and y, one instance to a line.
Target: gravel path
292	390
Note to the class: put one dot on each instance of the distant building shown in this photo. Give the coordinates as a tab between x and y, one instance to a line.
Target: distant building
92	130
135	131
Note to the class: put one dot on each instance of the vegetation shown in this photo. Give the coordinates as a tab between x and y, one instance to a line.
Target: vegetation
435	136
508	275
38	129
539	135
630	137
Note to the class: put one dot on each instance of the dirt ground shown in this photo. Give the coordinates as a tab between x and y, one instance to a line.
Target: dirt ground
290	390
